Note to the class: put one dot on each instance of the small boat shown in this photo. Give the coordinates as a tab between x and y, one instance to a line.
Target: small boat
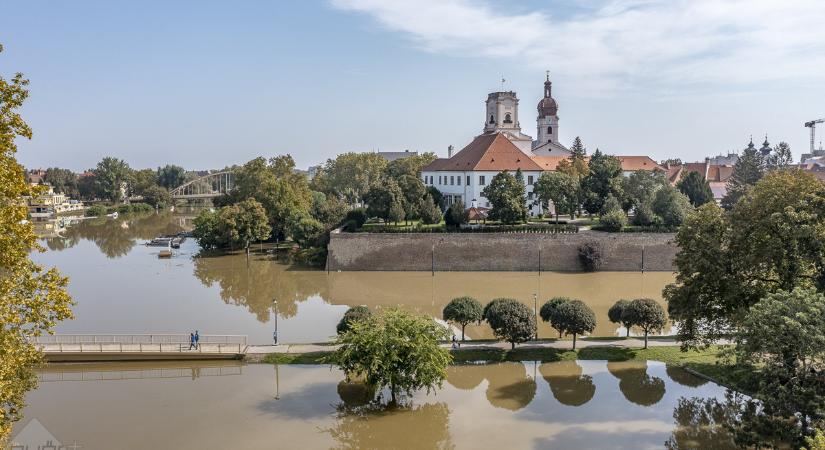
165	253
161	241
112	215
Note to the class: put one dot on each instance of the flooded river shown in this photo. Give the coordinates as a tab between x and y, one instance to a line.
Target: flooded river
581	405
122	287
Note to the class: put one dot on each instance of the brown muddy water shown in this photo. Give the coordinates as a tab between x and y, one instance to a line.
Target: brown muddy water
563	405
122	287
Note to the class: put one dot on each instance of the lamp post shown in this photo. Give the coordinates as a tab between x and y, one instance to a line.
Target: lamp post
536	315
275	333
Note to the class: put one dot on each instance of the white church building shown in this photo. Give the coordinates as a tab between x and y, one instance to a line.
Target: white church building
503	147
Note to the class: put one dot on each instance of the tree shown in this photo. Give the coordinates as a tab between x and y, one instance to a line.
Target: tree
437	196
558	188
510	320
308	232
577	150
352	175
206	230
394	349
396	213
429	211
574	317
412	191
170	176
111	175
639	188
784	335
576	167
354	314
616	315
244	223
613	217
462	310
456	215
141	180
770	241
507	198
549	312
696	188
780	157
746	172
63	181
157	196
646	314
603	179
381	198
671	206
328	209
32	300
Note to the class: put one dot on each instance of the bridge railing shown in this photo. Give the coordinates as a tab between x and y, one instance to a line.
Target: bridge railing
138	339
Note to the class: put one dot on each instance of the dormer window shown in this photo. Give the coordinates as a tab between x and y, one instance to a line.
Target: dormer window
508	118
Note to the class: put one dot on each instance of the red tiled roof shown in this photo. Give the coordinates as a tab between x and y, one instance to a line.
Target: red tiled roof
490	151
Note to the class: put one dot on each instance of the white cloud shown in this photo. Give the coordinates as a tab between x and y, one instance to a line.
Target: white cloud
628	43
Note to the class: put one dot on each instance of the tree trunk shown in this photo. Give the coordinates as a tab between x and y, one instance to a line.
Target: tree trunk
627	328
574	341
645	338
462	331
392	393
512	345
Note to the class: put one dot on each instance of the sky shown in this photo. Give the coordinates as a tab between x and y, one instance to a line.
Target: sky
206	84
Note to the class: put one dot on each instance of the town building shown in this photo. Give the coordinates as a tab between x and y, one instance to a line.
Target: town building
392	156
503	146
50	203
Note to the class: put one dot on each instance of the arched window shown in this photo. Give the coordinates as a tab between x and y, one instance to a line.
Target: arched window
492	119
507	118
549	130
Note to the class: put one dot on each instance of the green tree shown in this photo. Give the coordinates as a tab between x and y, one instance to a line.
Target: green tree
577	150
456	215
696	188
549	312
308	232
507	198
574	317
429	211
141	180
780	157
746	172
411	165
510	320
394	349
111	175
328	209
170	176
157	196
32	300
352	175
639	188
87	187
576	167
646	314
244	223
353	314
784	335
206	231
463	311
616	315
381	198
412	191
397	212
604	178
671	206
63	181
437	196
559	188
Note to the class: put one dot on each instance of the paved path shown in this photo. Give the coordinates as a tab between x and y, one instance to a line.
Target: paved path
468	345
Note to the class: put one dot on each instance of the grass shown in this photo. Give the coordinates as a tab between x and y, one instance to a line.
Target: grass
296	358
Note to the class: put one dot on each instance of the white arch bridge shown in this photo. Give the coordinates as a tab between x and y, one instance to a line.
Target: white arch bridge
207	186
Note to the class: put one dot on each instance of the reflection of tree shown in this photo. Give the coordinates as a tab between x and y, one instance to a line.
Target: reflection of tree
425	426
465	377
260	282
509	386
636	385
567	383
355	394
684	377
116	237
704	423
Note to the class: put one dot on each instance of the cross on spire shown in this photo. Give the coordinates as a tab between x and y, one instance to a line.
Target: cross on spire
548	74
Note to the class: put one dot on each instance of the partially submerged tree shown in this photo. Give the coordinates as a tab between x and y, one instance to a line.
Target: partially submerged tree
646	314
616	315
396	350
463	311
354	314
510	320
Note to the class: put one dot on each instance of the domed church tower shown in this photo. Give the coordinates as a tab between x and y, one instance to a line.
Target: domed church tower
548	119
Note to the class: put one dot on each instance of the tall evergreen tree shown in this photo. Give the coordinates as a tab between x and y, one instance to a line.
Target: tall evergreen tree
747	171
696	187
577	150
603	178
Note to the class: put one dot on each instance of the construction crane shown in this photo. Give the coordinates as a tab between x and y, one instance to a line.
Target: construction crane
812	126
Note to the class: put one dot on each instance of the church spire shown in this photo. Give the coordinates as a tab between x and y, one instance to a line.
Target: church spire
548	86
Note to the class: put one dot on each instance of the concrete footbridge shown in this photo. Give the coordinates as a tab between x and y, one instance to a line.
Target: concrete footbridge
136	347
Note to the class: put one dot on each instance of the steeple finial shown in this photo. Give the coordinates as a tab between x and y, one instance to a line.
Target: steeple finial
548	74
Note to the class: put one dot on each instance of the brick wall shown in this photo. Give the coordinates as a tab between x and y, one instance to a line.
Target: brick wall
497	251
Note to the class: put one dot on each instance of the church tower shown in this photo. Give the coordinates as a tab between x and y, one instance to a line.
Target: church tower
502	113
548	119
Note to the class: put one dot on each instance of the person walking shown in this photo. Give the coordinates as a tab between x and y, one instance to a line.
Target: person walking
191	340
455	343
197	339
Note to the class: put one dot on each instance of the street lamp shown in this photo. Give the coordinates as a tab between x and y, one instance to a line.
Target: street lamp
275	333
536	315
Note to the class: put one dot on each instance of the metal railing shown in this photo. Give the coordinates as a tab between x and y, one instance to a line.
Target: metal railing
140	374
140	343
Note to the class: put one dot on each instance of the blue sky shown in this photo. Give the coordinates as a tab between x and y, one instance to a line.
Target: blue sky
207	84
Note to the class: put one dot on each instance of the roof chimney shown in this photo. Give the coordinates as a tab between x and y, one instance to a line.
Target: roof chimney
449	151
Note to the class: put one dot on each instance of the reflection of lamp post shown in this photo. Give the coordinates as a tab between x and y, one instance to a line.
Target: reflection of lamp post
535	315
275	333
277	382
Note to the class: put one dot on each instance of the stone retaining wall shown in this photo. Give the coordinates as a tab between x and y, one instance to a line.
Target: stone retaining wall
497	251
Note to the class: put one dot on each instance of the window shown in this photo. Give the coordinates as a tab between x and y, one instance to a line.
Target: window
492	119
549	130
452	180
439	180
508	118
458	180
529	177
481	180
468	180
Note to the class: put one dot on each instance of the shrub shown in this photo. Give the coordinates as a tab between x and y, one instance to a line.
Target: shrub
462	310
356	218
510	320
307	232
643	215
429	211
96	210
549	312
574	317
354	314
613	221
590	256
672	206
456	215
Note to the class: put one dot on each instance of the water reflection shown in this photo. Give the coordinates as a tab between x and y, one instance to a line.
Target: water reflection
509	386
377	426
684	377
567	383
634	382
704	423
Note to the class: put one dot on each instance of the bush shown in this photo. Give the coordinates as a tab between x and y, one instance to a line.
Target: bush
157	196
354	314
462	310
429	211
590	256
672	206
355	219
549	312
510	320
574	317
643	215
613	221
307	232
456	215
96	211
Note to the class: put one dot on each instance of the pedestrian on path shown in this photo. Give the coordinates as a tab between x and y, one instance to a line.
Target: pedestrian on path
191	340
455	342
197	339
